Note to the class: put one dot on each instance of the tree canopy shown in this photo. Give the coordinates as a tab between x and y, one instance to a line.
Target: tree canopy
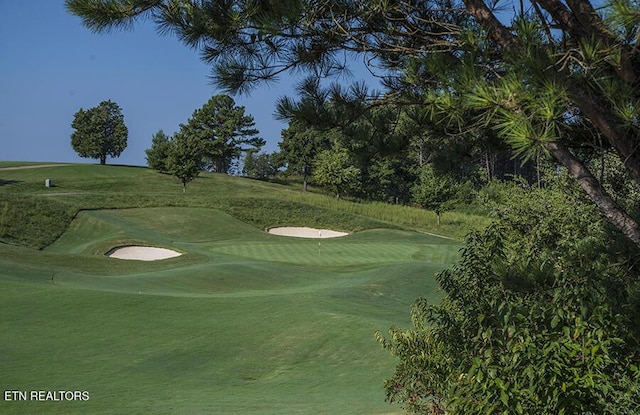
538	318
540	315
225	130
99	132
435	191
261	166
159	151
333	169
299	148
185	158
551	77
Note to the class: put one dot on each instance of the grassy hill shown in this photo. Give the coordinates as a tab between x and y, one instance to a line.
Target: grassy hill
243	322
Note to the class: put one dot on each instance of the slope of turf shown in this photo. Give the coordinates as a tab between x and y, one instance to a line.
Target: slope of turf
243	323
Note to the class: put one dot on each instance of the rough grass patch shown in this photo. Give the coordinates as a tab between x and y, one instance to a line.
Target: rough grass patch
34	222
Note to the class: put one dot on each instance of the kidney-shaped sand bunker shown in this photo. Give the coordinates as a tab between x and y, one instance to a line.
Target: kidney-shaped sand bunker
141	253
304	232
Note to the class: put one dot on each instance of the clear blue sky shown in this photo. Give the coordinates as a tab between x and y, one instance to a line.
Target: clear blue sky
51	66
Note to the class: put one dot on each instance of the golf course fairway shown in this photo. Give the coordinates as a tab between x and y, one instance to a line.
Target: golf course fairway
242	322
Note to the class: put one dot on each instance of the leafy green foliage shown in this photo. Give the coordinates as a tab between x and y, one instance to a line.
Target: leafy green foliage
355	119
261	165
387	178
541	83
540	317
435	191
335	170
299	147
614	178
541	312
225	130
99	132
159	152
185	158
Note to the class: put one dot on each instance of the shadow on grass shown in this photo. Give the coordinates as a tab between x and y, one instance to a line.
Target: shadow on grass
125	165
8	182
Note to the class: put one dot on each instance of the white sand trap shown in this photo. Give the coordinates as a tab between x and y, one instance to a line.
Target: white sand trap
303	232
142	253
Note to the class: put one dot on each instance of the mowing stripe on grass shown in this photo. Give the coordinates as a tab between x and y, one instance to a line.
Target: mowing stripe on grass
243	323
333	254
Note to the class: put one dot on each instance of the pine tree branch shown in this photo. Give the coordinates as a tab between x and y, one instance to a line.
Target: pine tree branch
605	203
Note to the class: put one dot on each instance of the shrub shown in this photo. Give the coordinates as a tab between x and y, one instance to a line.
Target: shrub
540	317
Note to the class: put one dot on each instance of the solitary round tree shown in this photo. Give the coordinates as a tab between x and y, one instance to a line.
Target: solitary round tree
99	132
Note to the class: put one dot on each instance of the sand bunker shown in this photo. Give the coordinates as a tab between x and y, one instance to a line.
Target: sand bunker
142	253
306	232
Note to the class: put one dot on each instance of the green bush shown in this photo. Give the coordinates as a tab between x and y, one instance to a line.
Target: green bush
540	317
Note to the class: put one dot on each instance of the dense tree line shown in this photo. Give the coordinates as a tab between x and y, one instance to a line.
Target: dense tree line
389	153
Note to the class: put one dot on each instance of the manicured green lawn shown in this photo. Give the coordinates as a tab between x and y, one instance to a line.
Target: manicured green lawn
242	323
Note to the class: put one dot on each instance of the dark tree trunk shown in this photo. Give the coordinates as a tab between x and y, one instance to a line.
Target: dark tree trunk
618	217
103	160
305	176
624	143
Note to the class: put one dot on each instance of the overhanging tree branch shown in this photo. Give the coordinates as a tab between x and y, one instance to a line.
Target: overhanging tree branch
607	206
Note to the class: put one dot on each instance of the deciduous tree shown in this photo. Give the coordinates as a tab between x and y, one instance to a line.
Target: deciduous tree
539	318
99	132
540	314
185	158
261	165
551	77
334	170
435	191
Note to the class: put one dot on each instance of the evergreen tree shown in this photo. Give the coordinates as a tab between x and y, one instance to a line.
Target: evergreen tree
560	75
225	131
299	149
159	152
541	313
